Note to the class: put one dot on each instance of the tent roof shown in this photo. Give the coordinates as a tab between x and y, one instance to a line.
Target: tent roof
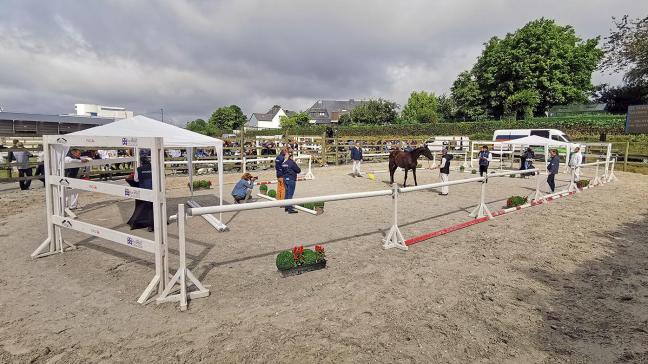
142	127
536	140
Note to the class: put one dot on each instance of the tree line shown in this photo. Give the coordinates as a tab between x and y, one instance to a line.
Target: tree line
519	76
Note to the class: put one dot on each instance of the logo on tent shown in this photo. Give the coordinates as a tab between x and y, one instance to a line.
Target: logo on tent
61	140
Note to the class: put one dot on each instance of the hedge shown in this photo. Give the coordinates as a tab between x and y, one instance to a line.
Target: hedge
587	124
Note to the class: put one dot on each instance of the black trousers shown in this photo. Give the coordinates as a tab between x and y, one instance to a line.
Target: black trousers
522	163
24	185
551	181
40	171
482	170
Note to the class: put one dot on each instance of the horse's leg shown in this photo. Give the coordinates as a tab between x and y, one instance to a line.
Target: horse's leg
414	173
405	181
392	169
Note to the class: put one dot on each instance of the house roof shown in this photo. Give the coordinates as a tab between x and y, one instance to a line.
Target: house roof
329	107
72	119
270	114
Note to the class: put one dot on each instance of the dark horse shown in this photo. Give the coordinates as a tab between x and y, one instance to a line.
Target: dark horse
407	161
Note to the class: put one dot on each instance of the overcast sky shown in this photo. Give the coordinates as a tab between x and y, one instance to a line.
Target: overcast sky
191	57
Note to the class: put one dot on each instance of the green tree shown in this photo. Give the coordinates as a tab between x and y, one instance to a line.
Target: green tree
203	127
372	112
626	49
521	104
291	121
541	57
467	97
617	99
422	107
446	107
228	117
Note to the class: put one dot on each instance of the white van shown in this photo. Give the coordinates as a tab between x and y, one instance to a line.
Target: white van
512	134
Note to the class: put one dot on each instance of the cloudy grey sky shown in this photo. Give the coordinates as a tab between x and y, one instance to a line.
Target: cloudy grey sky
194	56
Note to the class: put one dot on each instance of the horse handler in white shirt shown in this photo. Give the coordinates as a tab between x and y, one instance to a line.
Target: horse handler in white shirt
574	163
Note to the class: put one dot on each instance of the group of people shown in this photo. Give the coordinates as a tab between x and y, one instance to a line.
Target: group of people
286	170
19	157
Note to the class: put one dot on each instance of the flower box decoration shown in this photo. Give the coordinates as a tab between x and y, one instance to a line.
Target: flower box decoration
582	183
272	193
263	189
300	260
201	184
515	201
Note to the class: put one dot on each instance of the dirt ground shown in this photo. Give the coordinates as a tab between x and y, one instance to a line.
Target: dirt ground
561	282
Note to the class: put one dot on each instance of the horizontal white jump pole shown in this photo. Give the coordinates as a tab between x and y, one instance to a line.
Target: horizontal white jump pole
300	208
105	233
99	162
599	163
104	187
284	203
513	172
211	219
440	184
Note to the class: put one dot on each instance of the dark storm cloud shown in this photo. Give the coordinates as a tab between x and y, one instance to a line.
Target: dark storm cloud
193	56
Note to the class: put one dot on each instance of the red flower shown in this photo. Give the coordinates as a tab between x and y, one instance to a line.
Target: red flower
319	249
298	253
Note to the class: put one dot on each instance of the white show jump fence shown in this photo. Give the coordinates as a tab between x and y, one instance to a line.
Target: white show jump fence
59	217
394	238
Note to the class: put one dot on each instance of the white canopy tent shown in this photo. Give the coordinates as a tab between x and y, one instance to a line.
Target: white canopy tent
173	137
547	143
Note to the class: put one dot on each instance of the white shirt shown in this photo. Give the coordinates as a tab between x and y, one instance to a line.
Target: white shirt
576	160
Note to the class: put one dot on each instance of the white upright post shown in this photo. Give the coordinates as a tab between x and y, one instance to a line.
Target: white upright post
160	277
309	174
472	151
597	178
537	195
501	159
611	177
394	238
244	162
182	274
482	210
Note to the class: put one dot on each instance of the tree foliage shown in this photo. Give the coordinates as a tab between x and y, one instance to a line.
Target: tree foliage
371	112
626	49
421	107
291	121
540	65
202	127
228	117
446	107
619	98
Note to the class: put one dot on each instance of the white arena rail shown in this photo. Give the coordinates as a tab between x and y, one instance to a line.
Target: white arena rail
394	238
244	161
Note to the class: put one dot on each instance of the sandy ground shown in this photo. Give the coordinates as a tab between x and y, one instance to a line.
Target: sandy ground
562	282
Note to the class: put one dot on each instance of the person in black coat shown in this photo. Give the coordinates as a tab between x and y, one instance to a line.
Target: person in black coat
290	170
143	214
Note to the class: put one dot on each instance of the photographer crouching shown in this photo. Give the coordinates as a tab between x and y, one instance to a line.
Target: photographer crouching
243	189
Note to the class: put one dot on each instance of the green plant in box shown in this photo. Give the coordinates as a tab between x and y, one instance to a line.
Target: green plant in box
462	168
310	257
285	260
582	183
263	188
272	193
515	201
474	171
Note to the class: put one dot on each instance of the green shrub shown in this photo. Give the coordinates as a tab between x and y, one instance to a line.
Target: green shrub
512	175
514	201
318	204
263	188
474	171
310	257
310	206
462	168
582	183
285	260
201	184
272	193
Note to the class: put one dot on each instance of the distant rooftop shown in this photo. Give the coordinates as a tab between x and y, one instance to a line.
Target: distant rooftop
24	124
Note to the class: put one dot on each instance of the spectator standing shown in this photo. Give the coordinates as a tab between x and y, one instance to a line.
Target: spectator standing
356	158
553	167
290	170
281	186
574	163
21	156
485	158
40	169
528	154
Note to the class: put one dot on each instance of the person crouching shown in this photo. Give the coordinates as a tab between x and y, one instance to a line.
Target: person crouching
243	189
290	170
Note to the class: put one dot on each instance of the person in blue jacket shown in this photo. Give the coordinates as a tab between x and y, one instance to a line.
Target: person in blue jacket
290	170
281	187
553	167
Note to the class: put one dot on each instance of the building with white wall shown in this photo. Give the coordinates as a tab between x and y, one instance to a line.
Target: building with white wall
268	120
102	111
